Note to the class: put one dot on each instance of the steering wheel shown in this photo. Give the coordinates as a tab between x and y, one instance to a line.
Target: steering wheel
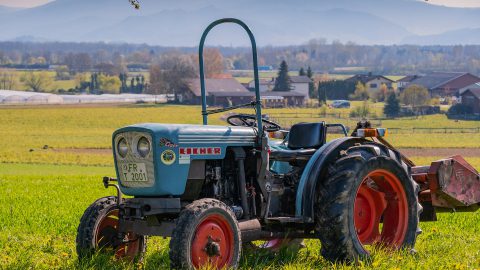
246	120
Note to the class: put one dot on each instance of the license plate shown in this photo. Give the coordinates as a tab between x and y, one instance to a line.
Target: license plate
134	172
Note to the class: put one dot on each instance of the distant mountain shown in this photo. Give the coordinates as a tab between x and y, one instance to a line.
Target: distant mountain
462	36
181	22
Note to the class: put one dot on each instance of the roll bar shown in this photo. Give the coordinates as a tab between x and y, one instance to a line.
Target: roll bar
257	102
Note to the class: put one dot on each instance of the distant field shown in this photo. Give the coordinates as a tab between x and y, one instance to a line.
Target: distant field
63	128
43	192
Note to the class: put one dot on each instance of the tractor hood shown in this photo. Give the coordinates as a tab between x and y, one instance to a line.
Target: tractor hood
164	171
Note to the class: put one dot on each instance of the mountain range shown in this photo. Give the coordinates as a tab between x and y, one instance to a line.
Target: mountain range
274	22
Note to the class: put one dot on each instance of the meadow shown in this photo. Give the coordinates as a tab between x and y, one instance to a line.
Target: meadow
52	160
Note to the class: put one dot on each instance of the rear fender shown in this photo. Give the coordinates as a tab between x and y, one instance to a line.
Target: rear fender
315	171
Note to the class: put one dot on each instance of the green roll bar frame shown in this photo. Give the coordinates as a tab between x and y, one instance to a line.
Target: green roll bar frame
257	103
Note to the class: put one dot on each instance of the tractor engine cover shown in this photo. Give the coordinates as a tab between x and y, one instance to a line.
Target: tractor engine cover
453	183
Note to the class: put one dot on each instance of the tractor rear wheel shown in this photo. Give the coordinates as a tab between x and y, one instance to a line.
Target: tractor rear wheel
206	235
369	198
98	232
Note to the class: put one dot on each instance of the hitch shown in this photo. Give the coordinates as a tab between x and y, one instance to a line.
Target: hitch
107	183
449	183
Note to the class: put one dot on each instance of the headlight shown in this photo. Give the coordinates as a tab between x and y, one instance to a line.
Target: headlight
122	147
143	147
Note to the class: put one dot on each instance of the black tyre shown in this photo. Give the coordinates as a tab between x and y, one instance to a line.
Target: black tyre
369	198
98	232
286	246
206	234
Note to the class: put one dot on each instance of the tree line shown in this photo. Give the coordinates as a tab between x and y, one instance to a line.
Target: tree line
320	55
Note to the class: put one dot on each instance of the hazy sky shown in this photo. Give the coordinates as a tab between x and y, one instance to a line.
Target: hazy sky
453	3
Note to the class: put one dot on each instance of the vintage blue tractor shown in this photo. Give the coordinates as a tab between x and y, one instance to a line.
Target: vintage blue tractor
218	190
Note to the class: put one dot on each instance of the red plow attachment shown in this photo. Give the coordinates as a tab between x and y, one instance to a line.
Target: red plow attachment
449	184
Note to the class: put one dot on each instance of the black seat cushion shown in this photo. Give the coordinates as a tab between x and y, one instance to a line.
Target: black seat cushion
306	135
292	155
303	141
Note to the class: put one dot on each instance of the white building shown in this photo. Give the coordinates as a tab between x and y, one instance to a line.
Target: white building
300	84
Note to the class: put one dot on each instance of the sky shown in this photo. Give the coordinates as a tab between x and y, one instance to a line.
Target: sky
451	3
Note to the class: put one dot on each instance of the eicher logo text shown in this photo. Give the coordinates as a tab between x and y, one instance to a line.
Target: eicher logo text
200	150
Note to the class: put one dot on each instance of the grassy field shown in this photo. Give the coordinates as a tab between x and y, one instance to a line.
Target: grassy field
55	85
43	192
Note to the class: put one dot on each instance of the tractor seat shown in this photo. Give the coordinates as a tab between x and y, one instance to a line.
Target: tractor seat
303	141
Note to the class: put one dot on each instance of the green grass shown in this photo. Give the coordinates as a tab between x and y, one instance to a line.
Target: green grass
40	207
43	192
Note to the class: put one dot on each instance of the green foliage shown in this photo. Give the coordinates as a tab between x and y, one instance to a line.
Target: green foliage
392	105
311	85
415	95
109	84
362	111
336	89
459	109
282	82
36	81
301	72
62	73
361	92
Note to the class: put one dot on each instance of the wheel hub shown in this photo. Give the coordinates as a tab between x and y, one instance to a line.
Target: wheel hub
212	248
381	199
212	243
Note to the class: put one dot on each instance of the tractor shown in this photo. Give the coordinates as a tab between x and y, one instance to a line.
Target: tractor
218	191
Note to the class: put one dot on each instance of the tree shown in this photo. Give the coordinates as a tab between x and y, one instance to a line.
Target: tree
282	83
392	105
81	81
335	89
171	75
62	73
322	93
301	72
7	80
36	81
415	95
108	84
311	85
212	62
361	92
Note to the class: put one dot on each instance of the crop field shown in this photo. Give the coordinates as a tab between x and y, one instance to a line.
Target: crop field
52	160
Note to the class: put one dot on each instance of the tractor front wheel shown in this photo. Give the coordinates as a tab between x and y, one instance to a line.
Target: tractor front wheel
369	198
98	232
206	235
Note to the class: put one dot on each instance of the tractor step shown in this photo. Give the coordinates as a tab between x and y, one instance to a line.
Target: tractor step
284	220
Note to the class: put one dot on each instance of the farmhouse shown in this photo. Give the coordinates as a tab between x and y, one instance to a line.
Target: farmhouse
471	98
299	84
471	87
271	99
371	82
265	84
405	81
442	84
230	86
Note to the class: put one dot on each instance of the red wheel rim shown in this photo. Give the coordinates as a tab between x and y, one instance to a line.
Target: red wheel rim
381	198
106	237
213	242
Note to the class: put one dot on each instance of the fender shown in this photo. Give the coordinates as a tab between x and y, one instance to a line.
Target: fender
315	171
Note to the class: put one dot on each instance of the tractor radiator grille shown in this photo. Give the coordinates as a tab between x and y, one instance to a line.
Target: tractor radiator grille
133	158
